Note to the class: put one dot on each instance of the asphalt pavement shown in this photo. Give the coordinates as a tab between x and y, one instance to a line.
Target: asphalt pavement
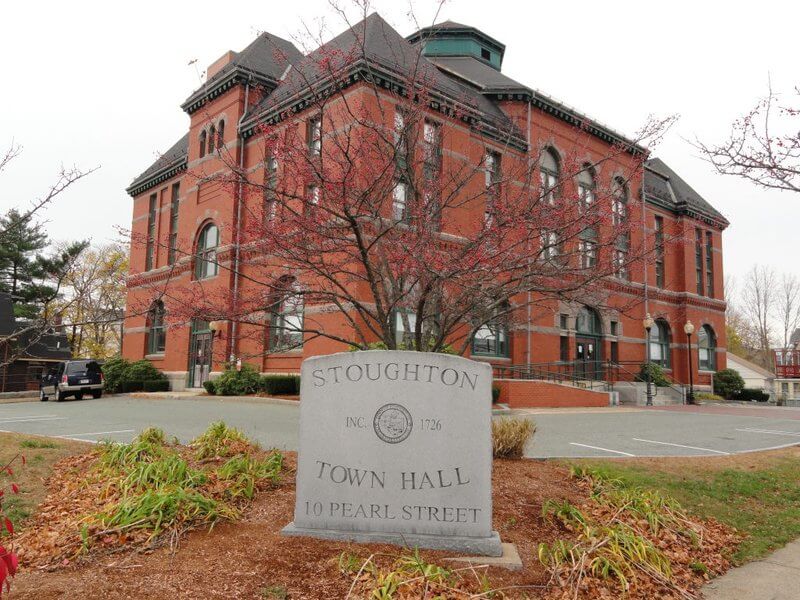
569	433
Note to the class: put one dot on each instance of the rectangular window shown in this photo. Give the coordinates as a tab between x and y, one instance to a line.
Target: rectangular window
432	146
564	349
698	260
313	195
550	245
399	201
614	327
270	187
549	181
405	324
491	165
659	235
588	252
314	136
621	262
614	352
173	224
586	196
563	321
151	232
400	140
709	265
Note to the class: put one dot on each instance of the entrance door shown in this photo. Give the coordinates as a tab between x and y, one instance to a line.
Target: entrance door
200	358
587	358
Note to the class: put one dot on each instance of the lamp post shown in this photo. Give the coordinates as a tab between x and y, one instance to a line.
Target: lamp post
648	325
688	329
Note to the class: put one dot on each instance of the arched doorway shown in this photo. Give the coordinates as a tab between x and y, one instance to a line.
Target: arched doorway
588	354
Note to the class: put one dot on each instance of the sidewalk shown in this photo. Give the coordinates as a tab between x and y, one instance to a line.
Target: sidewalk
776	577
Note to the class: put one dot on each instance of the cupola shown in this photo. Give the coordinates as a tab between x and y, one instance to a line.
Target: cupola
449	39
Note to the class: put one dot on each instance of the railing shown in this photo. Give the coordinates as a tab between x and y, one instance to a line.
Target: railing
787	371
586	374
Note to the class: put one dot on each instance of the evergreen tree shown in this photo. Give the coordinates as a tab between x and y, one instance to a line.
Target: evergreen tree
32	278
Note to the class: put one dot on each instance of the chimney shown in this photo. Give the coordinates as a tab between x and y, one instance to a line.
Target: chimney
218	64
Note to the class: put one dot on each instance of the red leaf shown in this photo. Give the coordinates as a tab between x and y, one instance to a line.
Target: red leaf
11	562
9	471
23	460
9	525
2	492
15	488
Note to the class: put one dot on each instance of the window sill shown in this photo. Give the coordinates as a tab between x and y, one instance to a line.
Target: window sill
156	356
489	358
293	352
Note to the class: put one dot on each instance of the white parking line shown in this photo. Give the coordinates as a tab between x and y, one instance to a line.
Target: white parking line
681	446
73	436
31	420
770	431
601	449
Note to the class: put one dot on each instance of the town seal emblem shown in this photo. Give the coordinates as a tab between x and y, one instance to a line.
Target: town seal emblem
392	423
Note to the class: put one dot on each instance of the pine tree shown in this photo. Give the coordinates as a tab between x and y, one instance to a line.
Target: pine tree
31	277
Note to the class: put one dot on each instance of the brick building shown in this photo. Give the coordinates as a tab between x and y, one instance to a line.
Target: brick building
182	218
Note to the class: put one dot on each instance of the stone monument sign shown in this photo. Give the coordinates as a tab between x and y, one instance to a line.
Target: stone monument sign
395	447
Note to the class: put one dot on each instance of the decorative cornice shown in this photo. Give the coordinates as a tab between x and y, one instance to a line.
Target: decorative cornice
215	88
168	172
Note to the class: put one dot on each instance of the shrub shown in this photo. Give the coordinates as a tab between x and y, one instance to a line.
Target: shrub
752	394
211	387
280	385
707	396
657	376
235	382
114	373
495	394
509	436
157	385
728	383
124	376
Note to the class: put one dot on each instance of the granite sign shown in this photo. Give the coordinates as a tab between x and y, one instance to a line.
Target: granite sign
396	447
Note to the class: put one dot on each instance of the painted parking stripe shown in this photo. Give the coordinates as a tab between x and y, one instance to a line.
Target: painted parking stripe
770	431
601	449
72	436
31	420
681	446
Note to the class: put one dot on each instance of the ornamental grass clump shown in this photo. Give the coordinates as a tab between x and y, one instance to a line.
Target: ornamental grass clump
220	441
509	436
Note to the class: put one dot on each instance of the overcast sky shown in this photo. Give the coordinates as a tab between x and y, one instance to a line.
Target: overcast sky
100	83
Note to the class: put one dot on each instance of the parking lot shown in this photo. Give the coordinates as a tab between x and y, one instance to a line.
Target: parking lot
610	432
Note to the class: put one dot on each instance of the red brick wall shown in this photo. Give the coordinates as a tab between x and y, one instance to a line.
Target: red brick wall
535	394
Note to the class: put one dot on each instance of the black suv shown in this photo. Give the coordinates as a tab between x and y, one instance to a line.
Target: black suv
72	378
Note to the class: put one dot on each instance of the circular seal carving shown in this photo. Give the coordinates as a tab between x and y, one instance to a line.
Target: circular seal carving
392	423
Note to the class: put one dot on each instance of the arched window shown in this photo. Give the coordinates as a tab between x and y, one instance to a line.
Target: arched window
221	134
491	339
706	349
286	324
586	187
659	343
203	136
548	175
205	264
619	201
212	138
156	334
588	321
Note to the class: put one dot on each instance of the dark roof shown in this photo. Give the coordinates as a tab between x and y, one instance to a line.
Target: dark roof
664	186
52	345
167	162
266	58
478	73
377	43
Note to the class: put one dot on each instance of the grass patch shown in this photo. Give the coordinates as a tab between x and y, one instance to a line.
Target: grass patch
37	443
759	496
219	440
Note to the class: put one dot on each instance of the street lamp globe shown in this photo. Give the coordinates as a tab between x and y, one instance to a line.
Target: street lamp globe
648	322
688	329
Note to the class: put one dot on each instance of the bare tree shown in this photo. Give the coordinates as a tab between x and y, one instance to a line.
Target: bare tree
763	146
759	299
788	306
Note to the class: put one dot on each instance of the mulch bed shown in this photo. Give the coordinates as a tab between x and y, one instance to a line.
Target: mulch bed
249	557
